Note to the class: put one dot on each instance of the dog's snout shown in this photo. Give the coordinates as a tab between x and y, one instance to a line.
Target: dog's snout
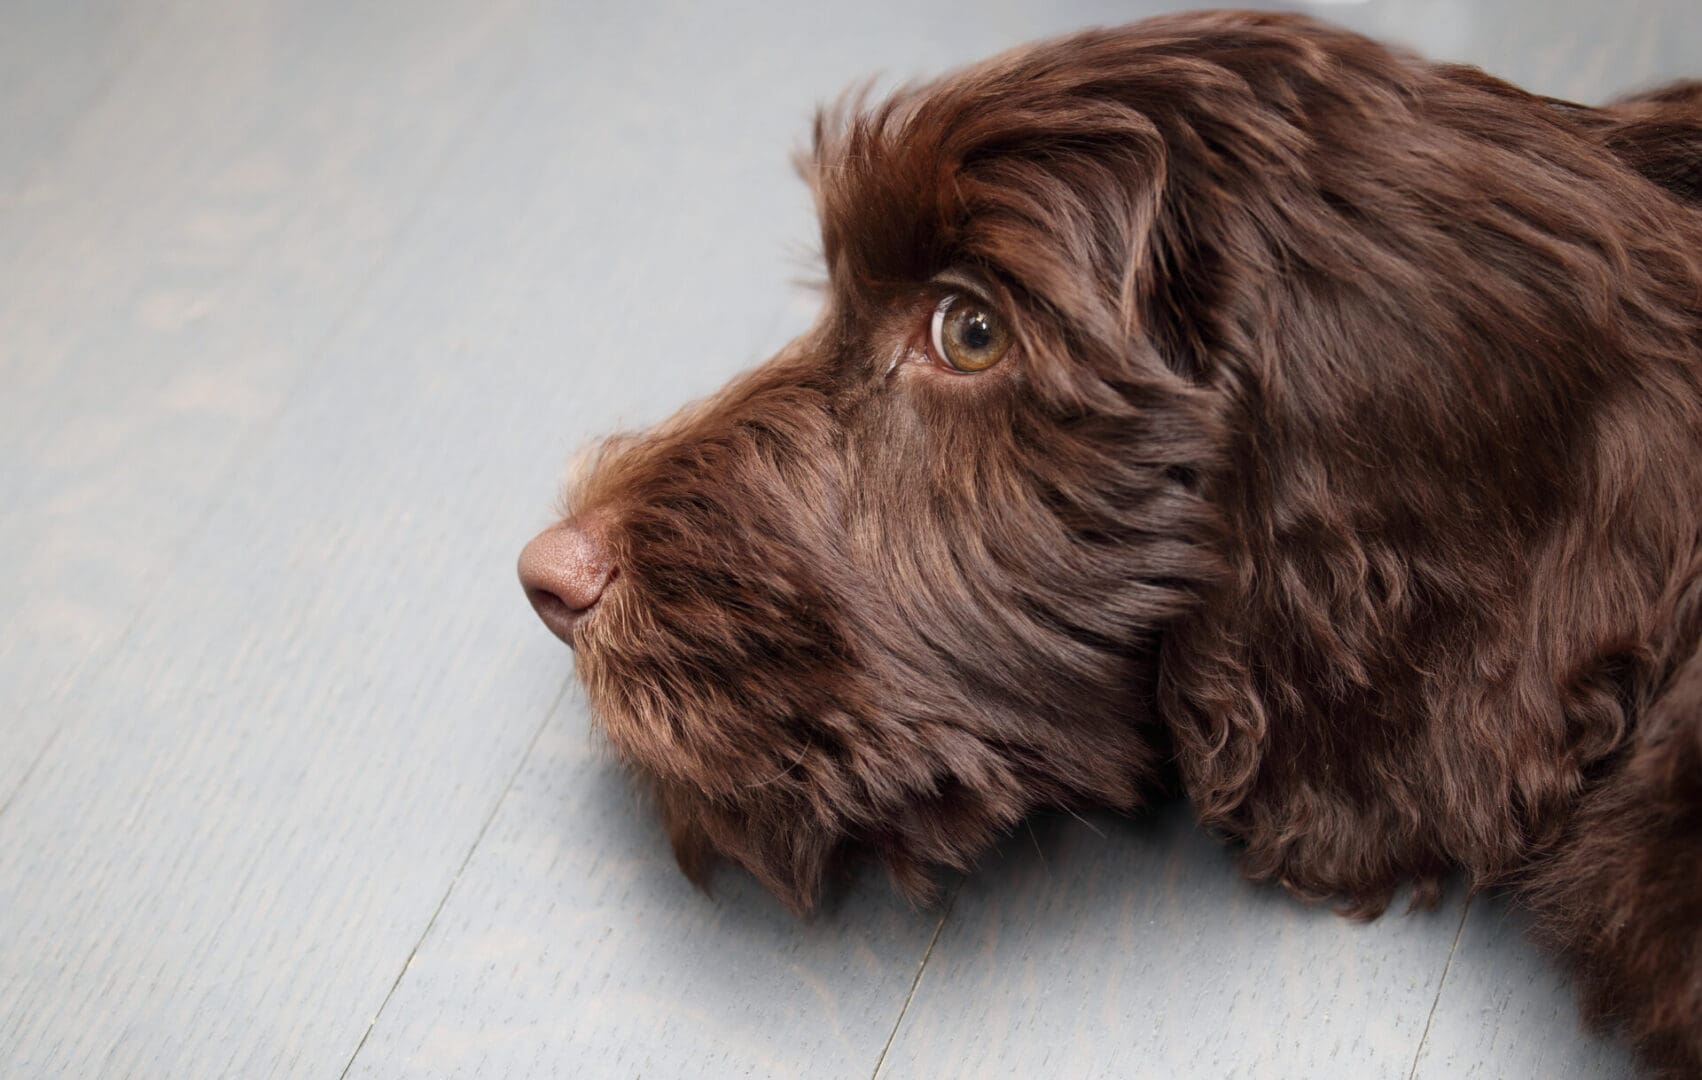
564	571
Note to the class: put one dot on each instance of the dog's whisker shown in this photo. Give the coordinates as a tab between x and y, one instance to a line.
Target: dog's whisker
777	776
1086	823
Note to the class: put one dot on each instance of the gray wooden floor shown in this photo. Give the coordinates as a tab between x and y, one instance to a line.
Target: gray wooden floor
303	308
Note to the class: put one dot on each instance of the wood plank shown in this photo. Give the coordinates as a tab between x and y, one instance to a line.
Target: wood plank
256	802
57	57
1506	1012
1116	947
174	261
572	946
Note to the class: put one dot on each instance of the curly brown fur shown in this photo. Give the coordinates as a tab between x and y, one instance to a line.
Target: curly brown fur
1349	456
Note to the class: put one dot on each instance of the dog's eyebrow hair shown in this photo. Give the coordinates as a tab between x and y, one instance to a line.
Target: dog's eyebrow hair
961	279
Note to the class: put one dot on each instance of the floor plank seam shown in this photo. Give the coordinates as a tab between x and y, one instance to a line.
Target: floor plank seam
1441	984
443	901
898	1022
257	435
29	771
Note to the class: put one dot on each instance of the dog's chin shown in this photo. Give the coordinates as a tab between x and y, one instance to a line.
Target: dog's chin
795	855
729	785
788	854
792	834
799	831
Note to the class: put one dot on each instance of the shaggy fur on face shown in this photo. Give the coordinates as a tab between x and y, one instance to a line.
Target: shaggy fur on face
1345	470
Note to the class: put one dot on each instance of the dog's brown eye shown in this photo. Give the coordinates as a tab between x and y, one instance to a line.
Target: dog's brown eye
967	334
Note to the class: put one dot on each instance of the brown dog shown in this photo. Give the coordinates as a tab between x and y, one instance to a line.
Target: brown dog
1226	397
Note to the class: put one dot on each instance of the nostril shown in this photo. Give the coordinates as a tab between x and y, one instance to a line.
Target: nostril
564	571
550	606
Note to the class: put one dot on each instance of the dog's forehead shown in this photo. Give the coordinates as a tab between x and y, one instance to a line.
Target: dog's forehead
1048	167
1035	168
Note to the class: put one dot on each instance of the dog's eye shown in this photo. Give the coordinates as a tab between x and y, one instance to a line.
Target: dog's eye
967	335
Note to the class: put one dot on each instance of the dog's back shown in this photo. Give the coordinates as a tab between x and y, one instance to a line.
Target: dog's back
1659	133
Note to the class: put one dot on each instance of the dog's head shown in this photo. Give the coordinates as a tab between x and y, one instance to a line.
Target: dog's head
905	582
920	573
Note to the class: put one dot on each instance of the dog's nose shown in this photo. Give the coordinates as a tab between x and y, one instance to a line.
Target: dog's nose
564	571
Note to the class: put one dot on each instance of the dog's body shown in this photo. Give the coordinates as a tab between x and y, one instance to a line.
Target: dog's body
1347	453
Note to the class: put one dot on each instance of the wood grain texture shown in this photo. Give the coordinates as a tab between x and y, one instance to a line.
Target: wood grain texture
57	58
572	946
174	260
1112	948
303	306
255	802
1506	1013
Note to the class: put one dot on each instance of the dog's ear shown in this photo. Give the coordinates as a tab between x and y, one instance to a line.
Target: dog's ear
1659	134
